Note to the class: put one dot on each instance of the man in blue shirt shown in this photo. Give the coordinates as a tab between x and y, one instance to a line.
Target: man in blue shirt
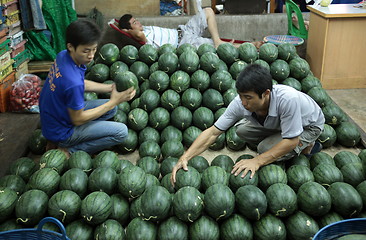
67	120
281	121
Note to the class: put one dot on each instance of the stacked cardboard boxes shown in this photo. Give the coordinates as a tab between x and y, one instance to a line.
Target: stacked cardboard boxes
14	57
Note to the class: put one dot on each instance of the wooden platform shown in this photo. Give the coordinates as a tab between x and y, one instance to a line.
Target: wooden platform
39	66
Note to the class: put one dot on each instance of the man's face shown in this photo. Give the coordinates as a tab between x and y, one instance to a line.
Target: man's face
252	102
135	24
83	54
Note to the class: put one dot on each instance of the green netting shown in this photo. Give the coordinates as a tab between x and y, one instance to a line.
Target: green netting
58	14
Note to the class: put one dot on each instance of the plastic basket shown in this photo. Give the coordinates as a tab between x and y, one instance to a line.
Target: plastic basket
342	228
278	39
36	233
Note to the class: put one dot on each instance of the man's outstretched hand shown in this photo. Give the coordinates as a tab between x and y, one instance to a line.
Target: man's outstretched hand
245	166
180	164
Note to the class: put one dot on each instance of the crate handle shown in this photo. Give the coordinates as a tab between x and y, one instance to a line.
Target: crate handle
55	221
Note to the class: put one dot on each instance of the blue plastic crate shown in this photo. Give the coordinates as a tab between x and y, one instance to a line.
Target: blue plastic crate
342	228
36	233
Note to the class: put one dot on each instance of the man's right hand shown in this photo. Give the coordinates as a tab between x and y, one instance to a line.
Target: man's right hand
180	164
124	96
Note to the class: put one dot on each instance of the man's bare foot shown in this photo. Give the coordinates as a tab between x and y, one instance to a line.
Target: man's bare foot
65	151
258	44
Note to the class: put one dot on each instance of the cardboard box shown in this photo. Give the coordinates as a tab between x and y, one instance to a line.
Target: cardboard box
5	88
116	8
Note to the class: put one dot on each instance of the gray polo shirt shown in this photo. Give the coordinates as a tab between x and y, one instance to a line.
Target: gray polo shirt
290	111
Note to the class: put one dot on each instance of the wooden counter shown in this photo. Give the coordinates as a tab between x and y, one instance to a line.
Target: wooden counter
336	48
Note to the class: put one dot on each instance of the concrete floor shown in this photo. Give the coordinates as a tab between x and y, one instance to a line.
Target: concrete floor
16	128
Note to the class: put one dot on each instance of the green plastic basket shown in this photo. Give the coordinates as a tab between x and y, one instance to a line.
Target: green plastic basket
36	233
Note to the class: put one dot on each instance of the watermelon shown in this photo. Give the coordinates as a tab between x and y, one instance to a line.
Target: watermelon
130	143
148	54
179	81
199	163
236	68
120	117
345	199
116	68
309	82
141	229
141	70
190	134
205	47
221	80
292	82
8	200
172	229
149	165
151	149
269	227
23	167
55	159
214	175
223	161
170	133
271	174
200	80
75	180
155	203
262	63
328	136
96	208
282	200
297	175
106	158
132	181
353	173
135	208
147	134
191	99
170	100
348	134
334	115
37	142
103	179
173	148
186	47
233	141
109	53
168	62
167	165
235	182
329	218
229	95
280	70
110	229
219	112
203	118
212	99
159	118
167	47
120	208
219	201
128	54
79	229
154	67
248	52
31	207
151	180
219	142
320	96
236	227
125	80
124	106
320	157
286	51
299	68
181	118
137	119
209	62
301	226
326	174
166	182
187	204
204	228
344	157
188	178
159	81
189	61
300	160
228	53
45	179
64	205
99	73
268	52
313	199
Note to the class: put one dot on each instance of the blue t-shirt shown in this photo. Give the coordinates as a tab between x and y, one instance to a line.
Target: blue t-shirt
63	89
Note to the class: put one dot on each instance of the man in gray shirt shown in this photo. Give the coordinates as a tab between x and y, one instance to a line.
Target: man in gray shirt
280	120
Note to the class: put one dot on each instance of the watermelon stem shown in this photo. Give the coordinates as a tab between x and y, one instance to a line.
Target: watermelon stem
189	217
222	215
147	219
24	221
64	215
324	140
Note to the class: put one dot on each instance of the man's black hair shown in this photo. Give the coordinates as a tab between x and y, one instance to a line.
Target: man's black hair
82	32
124	22
254	78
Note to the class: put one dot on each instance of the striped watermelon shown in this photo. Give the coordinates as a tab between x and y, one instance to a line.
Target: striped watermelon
96	208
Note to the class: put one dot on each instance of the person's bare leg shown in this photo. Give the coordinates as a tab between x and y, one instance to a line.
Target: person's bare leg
212	26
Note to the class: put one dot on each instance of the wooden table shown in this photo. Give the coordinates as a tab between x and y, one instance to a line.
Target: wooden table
336	48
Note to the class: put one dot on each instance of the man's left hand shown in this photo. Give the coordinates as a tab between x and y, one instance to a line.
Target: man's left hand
245	166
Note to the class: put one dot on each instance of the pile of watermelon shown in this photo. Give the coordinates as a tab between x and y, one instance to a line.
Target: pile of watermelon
182	91
110	198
